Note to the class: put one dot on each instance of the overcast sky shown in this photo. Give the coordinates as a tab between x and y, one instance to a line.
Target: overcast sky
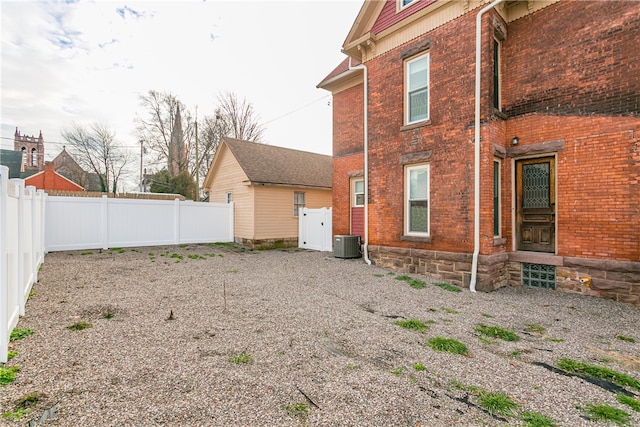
81	62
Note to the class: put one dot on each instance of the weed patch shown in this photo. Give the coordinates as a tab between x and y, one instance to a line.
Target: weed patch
11	354
497	332
539	329
601	372
414	283
296	408
241	359
629	401
535	419
448	345
625	338
606	413
412	325
450	310
497	403
8	375
448	287
86	253
20	333
79	326
419	367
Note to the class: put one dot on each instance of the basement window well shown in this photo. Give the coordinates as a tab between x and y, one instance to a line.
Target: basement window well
539	276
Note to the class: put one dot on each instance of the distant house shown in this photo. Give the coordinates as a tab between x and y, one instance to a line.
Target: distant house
65	165
268	186
499	154
14	161
49	179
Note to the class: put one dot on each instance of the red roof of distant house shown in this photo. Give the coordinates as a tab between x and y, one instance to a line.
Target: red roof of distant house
49	179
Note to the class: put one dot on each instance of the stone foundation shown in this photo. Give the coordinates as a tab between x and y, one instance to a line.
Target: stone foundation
616	280
450	267
291	242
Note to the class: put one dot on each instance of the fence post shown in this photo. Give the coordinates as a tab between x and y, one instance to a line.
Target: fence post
4	285
21	244
176	221
104	212
231	222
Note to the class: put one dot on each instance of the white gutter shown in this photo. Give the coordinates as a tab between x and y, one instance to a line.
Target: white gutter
476	141
365	245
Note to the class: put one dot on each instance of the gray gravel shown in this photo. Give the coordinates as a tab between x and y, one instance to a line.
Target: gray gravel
319	332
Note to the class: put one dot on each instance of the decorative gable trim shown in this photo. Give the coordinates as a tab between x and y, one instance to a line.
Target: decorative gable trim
359	42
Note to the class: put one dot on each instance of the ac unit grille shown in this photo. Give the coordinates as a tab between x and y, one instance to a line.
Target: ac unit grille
346	246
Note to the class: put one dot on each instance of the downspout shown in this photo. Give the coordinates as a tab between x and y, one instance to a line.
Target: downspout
476	141
365	245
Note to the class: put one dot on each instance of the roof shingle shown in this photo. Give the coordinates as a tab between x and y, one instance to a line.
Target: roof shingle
268	164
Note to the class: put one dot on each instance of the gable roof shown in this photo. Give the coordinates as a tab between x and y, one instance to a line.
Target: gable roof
268	164
49	179
12	160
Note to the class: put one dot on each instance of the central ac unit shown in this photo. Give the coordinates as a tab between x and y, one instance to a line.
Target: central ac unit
346	246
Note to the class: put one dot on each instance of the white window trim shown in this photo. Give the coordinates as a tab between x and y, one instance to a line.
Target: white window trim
407	200
297	206
499	161
400	7
354	197
407	119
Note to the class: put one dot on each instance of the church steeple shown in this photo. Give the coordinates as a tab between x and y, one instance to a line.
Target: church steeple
176	162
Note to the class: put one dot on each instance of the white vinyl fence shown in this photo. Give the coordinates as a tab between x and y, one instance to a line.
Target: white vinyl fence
101	223
22	250
314	229
32	223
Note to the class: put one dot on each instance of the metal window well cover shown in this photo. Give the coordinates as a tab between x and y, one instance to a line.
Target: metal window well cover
346	246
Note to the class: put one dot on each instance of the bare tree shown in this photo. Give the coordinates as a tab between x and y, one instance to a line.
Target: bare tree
239	119
156	127
97	151
233	118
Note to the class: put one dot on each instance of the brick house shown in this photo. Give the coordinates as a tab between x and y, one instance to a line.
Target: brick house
548	198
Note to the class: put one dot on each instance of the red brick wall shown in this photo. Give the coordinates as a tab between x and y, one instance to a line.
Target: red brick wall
598	172
570	75
348	160
448	138
574	58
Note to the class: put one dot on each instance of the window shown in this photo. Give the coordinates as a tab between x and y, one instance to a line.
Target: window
34	157
228	197
417	89
404	3
496	198
417	196
24	156
298	202
496	75
358	193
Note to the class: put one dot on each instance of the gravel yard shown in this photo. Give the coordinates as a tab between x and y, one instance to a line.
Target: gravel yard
212	335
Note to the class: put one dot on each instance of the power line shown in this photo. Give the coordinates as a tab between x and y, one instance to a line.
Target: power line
135	147
297	109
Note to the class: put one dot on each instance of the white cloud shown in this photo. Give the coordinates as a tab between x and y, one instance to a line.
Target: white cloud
83	62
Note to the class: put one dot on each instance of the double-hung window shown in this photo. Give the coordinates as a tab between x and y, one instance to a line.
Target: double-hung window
358	193
298	202
417	89
417	200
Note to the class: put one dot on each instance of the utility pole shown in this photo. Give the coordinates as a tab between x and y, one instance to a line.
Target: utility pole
197	198
141	175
